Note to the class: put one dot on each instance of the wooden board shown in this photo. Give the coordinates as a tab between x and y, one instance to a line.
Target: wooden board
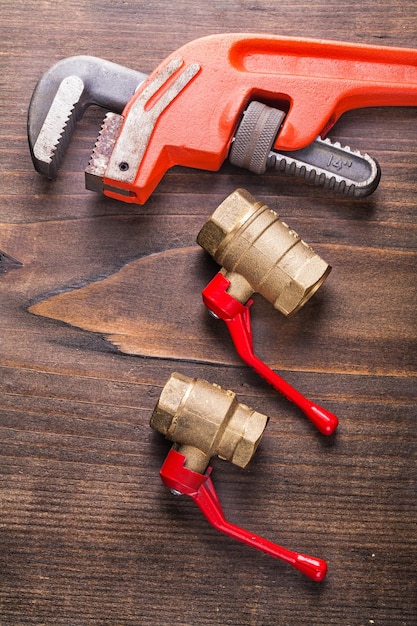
100	301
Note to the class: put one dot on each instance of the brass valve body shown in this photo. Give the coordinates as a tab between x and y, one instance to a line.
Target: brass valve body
204	420
260	253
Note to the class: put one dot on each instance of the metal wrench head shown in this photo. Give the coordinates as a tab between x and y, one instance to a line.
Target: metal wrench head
61	97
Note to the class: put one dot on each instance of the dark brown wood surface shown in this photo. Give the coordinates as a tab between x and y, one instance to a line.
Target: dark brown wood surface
100	302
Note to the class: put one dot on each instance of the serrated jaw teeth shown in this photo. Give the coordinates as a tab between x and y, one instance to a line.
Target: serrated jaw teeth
58	126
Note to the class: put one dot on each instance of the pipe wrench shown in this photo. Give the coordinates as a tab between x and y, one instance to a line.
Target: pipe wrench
260	100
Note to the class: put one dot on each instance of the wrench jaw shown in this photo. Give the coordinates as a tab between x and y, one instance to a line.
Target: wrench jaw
61	98
55	134
95	174
100	158
115	165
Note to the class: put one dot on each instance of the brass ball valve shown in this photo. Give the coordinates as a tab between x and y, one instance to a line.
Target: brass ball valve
260	253
204	420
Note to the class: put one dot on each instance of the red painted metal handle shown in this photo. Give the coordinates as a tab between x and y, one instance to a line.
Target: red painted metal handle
317	80
237	317
201	489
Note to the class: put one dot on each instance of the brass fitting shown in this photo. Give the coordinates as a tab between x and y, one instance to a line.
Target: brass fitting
204	420
260	253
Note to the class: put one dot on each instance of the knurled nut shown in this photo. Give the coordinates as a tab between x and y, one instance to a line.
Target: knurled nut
255	137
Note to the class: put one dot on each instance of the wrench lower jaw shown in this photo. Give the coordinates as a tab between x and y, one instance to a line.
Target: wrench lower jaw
96	169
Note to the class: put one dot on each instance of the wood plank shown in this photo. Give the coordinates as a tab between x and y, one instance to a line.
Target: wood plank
89	534
143	311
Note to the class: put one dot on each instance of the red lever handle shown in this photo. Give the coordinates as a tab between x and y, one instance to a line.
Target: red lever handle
237	317
201	489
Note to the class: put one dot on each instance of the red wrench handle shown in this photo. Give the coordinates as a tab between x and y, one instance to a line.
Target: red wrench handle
315	80
201	489
237	318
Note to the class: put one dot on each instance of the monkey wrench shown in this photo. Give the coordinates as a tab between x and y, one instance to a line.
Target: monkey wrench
264	101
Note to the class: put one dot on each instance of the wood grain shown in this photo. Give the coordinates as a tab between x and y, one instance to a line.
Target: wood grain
100	302
141	307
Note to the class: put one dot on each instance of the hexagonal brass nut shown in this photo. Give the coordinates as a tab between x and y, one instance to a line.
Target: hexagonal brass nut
254	426
169	402
226	219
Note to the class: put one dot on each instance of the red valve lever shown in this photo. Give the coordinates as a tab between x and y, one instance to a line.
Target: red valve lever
201	489
237	317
